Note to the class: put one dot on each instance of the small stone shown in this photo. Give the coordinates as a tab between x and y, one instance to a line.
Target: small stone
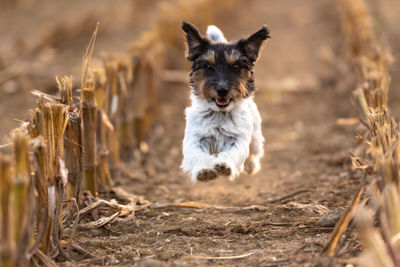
240	229
157	244
331	218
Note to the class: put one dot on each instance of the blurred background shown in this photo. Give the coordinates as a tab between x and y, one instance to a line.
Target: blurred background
41	39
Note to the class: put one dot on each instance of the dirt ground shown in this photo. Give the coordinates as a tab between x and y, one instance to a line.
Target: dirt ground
284	215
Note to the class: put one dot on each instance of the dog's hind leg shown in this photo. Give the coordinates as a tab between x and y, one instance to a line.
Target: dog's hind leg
252	164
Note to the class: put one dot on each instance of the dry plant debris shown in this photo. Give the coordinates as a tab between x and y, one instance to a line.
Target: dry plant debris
371	64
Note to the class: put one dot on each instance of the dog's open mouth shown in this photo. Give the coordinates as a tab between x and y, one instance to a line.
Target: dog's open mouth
222	102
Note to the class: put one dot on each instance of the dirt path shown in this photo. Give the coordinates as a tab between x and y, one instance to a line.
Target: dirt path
306	153
300	98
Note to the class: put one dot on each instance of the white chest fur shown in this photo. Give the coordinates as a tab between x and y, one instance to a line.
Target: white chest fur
213	137
217	131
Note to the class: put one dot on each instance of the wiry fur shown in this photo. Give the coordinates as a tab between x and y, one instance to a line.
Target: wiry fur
223	126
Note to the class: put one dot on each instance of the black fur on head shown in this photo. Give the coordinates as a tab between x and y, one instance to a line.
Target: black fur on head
251	46
196	43
222	72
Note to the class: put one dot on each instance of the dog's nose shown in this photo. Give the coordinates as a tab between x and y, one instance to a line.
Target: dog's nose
222	91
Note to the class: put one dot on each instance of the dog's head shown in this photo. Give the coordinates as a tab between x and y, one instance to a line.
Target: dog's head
222	73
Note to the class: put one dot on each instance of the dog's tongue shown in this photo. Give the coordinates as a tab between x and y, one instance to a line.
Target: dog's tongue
222	101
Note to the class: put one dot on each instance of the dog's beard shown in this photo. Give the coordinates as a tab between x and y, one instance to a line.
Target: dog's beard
240	87
223	103
215	102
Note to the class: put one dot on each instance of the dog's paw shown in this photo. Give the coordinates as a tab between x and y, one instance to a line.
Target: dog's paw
223	169
252	166
206	175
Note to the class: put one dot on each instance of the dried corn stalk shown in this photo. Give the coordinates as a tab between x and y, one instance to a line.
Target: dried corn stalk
372	64
6	223
89	117
22	201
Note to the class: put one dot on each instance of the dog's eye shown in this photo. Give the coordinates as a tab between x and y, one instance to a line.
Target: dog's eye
236	66
208	67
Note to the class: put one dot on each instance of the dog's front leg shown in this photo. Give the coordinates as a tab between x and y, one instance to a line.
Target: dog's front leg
230	162
196	160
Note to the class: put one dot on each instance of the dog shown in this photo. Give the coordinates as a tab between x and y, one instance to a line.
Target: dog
223	135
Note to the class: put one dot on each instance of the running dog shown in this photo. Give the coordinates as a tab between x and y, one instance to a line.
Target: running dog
223	126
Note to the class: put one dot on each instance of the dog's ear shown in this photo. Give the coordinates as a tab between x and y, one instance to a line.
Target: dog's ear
251	46
196	43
